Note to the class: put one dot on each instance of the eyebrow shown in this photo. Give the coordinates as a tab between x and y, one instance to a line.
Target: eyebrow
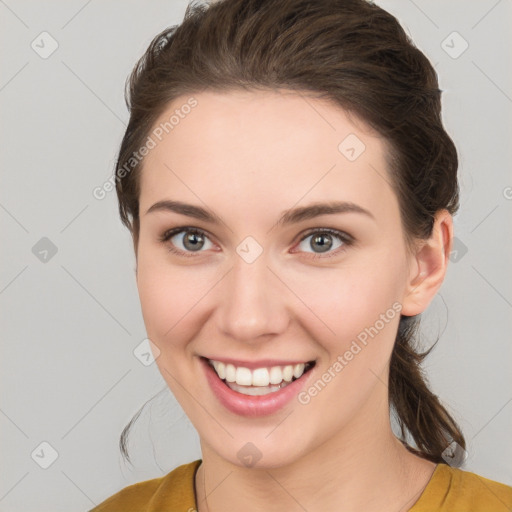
291	216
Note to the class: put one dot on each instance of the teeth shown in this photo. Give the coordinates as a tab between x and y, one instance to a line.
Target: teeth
260	377
288	373
230	373
254	390
220	368
274	376
243	376
298	370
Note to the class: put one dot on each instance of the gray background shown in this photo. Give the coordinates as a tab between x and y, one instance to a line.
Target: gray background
71	320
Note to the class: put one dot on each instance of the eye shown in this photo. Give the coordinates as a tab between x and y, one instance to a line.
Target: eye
196	239
193	241
322	239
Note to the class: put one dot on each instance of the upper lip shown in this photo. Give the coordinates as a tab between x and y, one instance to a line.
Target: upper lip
260	363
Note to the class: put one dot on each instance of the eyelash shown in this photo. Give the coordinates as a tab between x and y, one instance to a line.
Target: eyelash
347	240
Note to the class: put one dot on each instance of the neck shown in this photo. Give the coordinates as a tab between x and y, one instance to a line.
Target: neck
363	467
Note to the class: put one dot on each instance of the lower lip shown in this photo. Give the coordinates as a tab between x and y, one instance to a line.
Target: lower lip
246	405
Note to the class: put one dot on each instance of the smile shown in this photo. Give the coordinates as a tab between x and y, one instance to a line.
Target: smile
263	389
258	381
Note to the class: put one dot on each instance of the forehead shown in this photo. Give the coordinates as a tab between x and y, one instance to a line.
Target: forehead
241	150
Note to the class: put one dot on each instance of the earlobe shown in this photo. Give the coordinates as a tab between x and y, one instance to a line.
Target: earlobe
429	269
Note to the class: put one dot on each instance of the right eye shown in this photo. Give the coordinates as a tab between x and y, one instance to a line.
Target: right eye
192	242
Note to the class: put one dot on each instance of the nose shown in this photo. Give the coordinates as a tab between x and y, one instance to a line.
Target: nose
252	302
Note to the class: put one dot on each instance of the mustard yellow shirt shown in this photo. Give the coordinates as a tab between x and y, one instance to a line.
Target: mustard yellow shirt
449	490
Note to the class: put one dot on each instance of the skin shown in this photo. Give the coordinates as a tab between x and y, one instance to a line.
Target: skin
247	157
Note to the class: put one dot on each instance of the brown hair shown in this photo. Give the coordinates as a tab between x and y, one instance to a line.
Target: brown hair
354	54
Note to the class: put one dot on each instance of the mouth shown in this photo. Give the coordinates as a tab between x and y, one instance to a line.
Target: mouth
258	381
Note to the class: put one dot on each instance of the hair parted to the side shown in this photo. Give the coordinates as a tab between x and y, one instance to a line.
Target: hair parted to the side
354	54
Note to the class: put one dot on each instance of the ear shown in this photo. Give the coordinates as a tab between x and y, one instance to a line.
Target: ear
428	265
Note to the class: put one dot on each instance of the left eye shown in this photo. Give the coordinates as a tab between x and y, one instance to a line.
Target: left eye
323	240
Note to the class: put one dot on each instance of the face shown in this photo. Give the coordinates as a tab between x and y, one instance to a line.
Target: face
253	278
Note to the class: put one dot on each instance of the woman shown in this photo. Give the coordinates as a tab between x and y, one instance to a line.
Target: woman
290	188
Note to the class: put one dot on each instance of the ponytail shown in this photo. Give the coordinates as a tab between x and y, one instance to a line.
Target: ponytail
418	411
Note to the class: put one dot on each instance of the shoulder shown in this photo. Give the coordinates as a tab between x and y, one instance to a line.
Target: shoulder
455	490
174	489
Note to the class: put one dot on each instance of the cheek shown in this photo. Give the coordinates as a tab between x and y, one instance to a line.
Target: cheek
362	308
168	297
349	300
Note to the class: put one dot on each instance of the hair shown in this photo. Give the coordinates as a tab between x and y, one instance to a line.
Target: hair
354	54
